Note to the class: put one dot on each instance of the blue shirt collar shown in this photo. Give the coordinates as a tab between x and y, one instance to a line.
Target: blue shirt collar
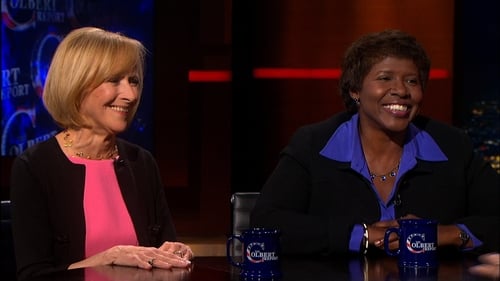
345	146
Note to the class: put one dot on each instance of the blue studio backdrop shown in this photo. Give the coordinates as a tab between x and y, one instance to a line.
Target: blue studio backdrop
31	31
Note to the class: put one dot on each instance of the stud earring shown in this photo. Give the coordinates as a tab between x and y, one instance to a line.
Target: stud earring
356	100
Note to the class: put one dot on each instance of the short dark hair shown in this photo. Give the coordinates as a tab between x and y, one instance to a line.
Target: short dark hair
370	49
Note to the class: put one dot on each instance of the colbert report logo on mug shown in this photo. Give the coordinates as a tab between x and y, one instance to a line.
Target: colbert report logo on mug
256	253
259	253
416	243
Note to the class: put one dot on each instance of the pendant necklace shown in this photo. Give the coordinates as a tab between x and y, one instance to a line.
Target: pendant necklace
69	144
392	173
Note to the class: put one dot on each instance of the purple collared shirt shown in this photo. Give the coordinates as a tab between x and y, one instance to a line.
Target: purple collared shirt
345	146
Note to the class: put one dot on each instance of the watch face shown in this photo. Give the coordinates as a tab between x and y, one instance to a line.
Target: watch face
464	236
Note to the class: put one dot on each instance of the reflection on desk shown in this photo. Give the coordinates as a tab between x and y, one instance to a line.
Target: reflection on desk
218	269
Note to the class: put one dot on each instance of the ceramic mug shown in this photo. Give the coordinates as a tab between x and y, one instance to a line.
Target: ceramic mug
260	253
417	242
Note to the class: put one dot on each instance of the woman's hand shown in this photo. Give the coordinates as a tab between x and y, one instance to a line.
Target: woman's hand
376	232
141	257
148	257
489	266
180	249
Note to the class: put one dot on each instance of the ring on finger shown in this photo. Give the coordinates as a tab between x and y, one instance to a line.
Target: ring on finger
151	261
179	253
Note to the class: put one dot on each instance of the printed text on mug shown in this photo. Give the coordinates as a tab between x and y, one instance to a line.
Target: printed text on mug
255	253
416	244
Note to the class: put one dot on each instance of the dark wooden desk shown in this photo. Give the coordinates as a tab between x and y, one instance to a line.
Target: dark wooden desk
218	269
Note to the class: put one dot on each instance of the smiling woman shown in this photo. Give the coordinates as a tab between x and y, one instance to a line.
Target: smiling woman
349	178
117	55
99	200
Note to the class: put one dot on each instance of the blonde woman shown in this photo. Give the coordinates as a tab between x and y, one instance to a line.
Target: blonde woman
86	197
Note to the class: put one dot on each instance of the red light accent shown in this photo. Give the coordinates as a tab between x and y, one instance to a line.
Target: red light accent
438	74
285	73
296	73
209	76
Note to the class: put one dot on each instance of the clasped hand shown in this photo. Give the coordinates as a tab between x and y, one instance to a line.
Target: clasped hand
447	234
376	233
168	255
489	266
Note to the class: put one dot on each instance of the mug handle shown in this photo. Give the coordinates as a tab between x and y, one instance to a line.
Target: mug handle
228	250
386	241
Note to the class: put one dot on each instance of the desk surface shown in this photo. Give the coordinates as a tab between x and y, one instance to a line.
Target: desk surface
218	269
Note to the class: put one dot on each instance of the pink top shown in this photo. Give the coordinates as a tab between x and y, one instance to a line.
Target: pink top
107	220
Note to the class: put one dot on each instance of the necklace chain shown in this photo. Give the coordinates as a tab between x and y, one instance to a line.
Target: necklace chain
69	144
392	173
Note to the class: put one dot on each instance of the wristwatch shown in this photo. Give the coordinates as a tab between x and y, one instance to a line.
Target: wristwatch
465	237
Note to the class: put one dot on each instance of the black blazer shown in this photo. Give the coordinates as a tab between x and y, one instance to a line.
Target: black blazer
316	201
47	205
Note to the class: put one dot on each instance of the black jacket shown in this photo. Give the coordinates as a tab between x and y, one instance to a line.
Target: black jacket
47	205
316	201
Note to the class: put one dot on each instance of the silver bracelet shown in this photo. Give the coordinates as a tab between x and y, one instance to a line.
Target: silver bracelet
365	238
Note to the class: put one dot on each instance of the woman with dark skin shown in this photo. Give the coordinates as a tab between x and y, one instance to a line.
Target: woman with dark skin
341	183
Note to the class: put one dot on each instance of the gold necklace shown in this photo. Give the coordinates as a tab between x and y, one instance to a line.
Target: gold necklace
392	173
69	144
